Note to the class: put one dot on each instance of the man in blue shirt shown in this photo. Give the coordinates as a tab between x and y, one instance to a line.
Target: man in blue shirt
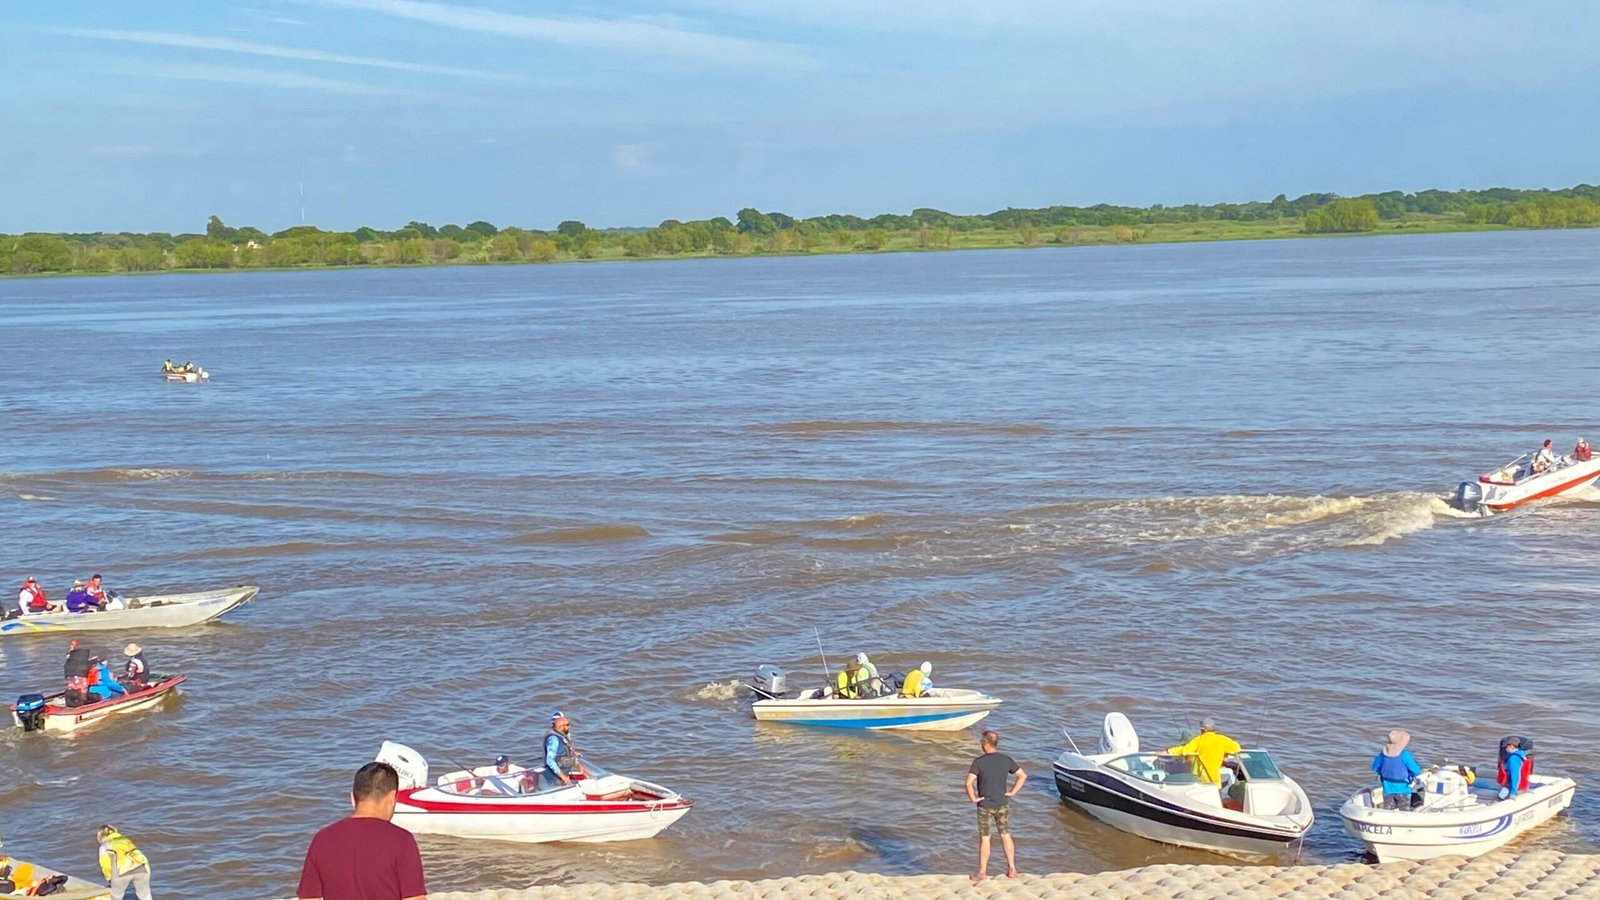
1396	768
561	760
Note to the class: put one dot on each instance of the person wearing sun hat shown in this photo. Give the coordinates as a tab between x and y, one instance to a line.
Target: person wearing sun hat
561	760
136	674
1397	769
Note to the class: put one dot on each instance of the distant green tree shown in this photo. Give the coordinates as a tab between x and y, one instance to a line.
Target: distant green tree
1341	217
423	229
220	232
874	239
638	246
571	228
754	221
456	233
35	252
541	250
367	235
503	247
483	229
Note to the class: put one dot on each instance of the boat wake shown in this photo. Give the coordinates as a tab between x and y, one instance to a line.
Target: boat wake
719	691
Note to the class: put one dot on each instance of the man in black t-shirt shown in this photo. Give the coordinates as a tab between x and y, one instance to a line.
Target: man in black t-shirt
986	788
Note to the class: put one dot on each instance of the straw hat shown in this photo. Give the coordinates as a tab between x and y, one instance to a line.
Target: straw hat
132	650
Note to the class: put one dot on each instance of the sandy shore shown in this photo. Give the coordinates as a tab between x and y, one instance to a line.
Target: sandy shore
1535	876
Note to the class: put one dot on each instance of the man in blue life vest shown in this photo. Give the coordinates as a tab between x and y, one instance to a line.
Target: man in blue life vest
561	760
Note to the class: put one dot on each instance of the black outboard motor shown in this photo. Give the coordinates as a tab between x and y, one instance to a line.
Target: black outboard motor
30	712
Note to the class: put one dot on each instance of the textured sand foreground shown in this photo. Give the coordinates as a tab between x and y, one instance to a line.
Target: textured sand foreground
1535	876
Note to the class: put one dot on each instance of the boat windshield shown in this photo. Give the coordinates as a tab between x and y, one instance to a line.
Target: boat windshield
1155	767
1258	766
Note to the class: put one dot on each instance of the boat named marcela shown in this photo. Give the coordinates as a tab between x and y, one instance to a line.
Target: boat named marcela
1257	812
1451	814
938	709
1532	476
50	712
155	611
519	804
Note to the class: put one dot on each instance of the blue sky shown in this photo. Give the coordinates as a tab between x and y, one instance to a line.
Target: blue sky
152	116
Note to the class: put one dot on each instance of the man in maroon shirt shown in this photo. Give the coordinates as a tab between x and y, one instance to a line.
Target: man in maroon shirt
365	856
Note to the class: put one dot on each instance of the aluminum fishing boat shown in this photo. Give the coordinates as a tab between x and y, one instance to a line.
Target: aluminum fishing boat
1515	483
941	709
156	611
518	806
1451	815
190	377
27	876
50	712
1258	812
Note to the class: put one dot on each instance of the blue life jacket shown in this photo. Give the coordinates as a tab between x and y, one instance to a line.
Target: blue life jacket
1396	770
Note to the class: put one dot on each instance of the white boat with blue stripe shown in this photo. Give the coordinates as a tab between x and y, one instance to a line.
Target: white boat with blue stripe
1452	815
940	709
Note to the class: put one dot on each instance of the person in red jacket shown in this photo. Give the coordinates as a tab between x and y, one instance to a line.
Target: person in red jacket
31	598
1581	452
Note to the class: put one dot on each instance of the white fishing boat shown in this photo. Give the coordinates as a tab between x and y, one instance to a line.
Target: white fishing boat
1515	483
190	377
518	806
1257	812
1455	816
50	712
155	611
940	709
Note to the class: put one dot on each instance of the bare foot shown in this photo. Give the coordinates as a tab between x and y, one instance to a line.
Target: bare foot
1011	873
980	877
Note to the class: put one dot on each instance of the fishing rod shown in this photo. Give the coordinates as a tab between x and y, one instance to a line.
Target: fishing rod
823	654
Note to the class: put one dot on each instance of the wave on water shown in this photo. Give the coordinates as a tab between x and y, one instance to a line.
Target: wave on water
583	534
37	498
847	427
720	690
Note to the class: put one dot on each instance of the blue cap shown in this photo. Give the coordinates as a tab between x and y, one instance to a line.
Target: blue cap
502	759
558	714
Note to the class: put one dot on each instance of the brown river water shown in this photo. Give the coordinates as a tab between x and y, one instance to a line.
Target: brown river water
1174	481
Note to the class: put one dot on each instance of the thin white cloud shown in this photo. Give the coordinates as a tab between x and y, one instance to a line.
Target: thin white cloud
632	157
251	48
241	75
651	37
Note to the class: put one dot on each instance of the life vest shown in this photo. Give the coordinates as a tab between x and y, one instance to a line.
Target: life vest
118	856
35	599
563	756
849	687
136	669
913	684
96	592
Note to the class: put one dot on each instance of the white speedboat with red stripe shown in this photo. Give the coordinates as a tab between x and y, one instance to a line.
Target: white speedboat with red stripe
518	805
1515	483
36	712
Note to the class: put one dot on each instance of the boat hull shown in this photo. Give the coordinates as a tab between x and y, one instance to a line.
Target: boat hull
948	711
531	826
61	718
1113	802
1392	835
1497	495
73	889
174	611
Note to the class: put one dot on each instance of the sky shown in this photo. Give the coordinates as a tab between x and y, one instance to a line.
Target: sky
154	116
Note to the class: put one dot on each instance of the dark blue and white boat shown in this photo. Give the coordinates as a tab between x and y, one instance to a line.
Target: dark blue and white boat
1258	811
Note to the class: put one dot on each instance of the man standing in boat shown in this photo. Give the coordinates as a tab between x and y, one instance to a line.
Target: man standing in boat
1209	749
560	757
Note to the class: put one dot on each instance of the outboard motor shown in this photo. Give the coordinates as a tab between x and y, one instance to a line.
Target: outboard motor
770	682
1469	497
1117	735
30	712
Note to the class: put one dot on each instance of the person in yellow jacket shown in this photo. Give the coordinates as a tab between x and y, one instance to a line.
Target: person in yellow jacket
123	864
917	682
851	677
1209	748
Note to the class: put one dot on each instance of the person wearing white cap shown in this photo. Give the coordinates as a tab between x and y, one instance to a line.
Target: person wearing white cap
561	760
918	681
1209	748
31	598
869	675
136	674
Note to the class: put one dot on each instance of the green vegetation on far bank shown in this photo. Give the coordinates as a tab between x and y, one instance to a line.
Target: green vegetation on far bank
754	232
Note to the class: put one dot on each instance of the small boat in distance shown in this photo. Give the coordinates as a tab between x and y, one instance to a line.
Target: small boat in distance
941	709
515	806
154	611
50	712
1258	813
1452	815
188	372
1515	483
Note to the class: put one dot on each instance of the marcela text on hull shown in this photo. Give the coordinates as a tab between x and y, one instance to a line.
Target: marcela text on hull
508	802
1236	803
872	703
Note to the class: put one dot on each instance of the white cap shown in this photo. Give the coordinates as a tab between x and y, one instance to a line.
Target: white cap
926	667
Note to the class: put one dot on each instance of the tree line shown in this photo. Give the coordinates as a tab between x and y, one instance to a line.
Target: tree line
754	231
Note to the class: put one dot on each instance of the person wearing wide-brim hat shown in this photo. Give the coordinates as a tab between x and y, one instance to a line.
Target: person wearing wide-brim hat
1397	769
136	673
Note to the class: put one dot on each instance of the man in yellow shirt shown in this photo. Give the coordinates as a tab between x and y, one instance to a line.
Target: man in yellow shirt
1209	749
917	681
